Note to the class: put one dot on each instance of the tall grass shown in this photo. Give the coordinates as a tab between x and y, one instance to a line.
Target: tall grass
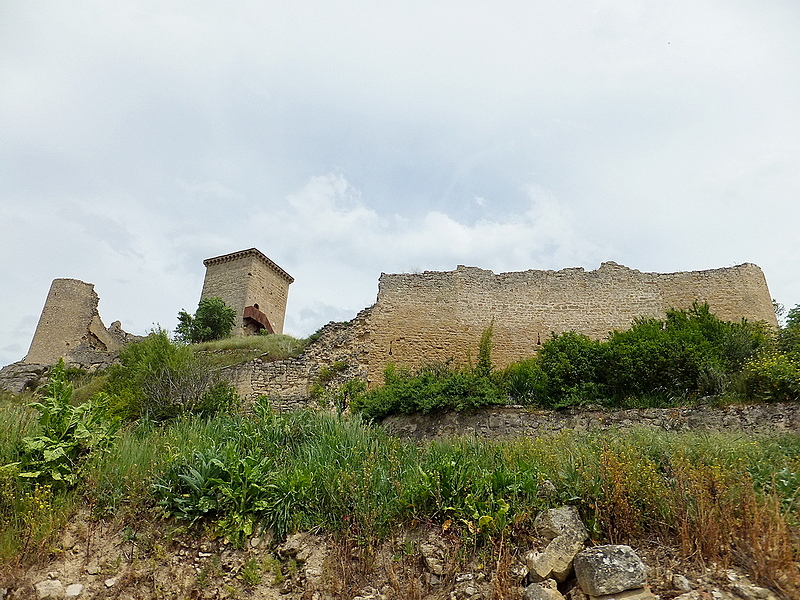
238	349
724	497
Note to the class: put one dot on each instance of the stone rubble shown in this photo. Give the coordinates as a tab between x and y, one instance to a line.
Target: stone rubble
301	568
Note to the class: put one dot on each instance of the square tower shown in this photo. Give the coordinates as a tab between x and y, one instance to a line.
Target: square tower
254	286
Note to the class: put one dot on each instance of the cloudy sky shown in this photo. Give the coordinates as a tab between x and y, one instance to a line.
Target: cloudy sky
345	139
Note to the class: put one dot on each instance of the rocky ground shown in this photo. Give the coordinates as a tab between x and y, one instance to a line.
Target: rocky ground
94	559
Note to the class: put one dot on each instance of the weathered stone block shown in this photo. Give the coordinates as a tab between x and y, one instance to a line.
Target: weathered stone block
563	520
610	569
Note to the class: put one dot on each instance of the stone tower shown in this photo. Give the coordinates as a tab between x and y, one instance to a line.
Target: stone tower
70	325
254	286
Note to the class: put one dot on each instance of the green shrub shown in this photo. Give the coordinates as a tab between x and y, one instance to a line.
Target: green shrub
433	387
773	377
67	435
789	336
689	354
213	320
162	379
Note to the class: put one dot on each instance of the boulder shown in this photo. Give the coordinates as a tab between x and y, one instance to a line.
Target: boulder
22	377
564	520
610	569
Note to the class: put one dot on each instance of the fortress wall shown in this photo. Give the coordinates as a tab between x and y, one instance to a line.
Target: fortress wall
436	316
69	320
732	293
287	383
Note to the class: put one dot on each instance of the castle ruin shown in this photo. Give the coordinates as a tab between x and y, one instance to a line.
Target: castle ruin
70	328
253	285
439	316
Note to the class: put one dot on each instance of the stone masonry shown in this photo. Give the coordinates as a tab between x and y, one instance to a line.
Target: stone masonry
439	316
251	284
70	328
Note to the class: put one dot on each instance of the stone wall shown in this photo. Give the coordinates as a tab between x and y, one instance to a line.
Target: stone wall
510	421
439	316
436	316
288	382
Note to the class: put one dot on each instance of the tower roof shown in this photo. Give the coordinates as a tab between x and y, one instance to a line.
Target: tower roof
252	252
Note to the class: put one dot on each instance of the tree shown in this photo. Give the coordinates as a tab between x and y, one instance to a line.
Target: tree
213	320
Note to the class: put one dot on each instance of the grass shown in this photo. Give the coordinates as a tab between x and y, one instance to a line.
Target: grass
235	350
729	498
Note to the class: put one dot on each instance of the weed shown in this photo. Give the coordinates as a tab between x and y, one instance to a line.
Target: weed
251	572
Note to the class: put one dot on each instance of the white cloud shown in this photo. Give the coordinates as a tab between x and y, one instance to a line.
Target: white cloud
137	139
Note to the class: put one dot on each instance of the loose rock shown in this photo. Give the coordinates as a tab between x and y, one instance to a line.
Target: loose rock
564	520
544	590
73	591
556	559
680	583
49	589
610	569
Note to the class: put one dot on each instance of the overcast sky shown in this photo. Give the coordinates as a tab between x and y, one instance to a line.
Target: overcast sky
344	139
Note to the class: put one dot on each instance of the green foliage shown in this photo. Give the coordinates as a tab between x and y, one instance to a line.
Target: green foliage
213	320
484	367
773	377
67	435
789	336
430	388
656	362
572	365
162	379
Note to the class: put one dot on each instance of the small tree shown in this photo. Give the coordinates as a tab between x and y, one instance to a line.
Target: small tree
213	320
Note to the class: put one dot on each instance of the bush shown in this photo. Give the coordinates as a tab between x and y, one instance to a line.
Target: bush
161	379
213	320
67	435
689	354
430	388
773	377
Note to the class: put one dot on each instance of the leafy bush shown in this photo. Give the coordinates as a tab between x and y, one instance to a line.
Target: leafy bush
430	388
789	336
161	379
213	320
773	377
67	435
689	354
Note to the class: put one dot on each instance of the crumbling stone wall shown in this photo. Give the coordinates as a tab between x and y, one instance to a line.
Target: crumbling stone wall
70	328
288	382
436	316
